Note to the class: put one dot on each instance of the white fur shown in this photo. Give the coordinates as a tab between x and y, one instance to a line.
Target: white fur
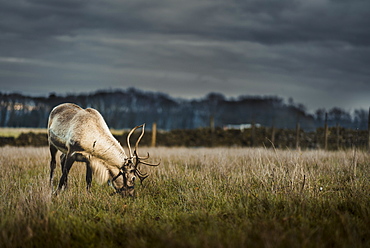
83	133
100	170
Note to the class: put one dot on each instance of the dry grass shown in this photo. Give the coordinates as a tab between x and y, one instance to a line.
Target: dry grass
219	197
16	131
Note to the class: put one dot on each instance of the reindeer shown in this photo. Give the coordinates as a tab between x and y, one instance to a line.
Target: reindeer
82	135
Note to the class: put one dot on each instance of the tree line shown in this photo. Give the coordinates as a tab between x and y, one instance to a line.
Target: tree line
124	109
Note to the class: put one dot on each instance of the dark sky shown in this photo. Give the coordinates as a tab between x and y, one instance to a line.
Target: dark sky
315	51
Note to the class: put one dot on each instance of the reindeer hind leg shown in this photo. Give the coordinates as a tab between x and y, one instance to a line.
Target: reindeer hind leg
53	152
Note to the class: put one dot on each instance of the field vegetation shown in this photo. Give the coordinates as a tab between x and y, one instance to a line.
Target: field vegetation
205	197
337	138
15	132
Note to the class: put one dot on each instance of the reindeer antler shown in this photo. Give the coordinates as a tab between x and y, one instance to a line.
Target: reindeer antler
137	144
128	139
139	160
141	175
136	154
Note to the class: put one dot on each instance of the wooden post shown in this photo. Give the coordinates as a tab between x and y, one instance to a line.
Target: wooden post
368	132
337	133
326	131
212	128
154	134
212	123
273	136
297	132
253	134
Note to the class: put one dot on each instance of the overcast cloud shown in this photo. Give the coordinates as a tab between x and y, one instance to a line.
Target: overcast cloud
315	51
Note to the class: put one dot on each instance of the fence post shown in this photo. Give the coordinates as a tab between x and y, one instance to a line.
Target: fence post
212	128
368	132
326	131
212	123
154	134
297	132
273	136
253	134
338	135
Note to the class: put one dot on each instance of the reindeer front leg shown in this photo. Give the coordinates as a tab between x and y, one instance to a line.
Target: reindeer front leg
88	176
62	161
81	156
69	160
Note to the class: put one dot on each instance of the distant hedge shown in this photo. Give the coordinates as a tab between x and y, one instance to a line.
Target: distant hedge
26	139
258	137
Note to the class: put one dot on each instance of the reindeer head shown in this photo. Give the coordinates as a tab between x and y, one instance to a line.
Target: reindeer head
124	182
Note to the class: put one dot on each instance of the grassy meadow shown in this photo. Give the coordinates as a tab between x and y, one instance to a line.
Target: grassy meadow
205	197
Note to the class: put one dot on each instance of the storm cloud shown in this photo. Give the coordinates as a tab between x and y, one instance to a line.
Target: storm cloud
317	51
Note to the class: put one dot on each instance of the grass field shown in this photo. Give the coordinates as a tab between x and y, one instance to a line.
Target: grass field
220	197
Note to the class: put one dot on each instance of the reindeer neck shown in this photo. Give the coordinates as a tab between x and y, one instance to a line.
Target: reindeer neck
109	149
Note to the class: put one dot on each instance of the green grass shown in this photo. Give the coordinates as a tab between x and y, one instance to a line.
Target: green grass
219	197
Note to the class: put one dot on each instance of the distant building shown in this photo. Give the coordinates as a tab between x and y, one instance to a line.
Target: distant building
240	127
